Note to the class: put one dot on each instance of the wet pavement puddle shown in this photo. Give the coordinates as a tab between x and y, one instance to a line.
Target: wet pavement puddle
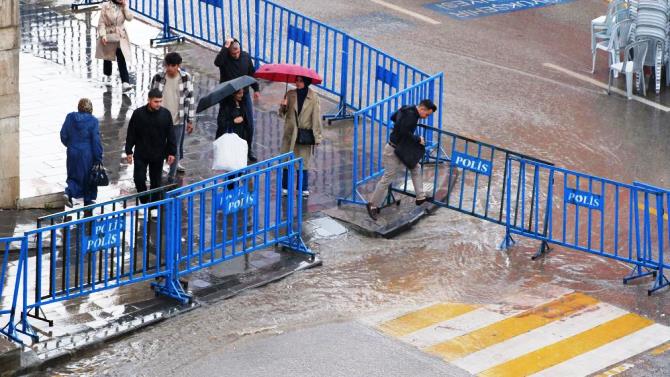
562	333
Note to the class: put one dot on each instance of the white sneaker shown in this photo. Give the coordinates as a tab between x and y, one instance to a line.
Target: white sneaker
126	87
284	192
180	168
305	193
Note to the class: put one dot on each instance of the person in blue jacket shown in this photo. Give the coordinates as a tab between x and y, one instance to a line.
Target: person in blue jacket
81	135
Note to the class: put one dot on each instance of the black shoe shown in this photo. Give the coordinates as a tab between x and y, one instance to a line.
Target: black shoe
252	157
68	200
421	201
372	211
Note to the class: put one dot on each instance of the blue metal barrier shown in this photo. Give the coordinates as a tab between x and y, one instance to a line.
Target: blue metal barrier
196	226
616	226
96	253
465	175
235	217
12	258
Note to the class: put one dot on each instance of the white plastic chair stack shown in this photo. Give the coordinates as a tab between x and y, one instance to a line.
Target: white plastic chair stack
651	21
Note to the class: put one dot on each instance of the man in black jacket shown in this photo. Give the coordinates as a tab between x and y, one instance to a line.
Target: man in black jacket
150	133
234	63
405	122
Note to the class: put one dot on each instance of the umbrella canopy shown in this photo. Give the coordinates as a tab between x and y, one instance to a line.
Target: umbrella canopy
286	73
224	90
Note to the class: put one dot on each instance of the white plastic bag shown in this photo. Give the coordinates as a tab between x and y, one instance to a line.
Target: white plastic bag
230	152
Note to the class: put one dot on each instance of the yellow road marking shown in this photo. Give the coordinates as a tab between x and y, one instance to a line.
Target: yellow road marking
660	350
511	327
566	349
423	318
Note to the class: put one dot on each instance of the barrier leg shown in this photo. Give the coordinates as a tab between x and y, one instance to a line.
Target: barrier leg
84	3
661	281
542	250
508	241
171	287
296	243
165	36
355	198
638	272
340	114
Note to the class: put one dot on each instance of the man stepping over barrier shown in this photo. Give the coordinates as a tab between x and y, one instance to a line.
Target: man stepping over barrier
402	138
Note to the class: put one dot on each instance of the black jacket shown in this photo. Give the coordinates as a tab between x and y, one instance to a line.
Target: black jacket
230	68
228	111
405	121
151	133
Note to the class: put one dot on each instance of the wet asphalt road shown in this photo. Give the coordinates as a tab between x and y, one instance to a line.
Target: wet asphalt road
498	89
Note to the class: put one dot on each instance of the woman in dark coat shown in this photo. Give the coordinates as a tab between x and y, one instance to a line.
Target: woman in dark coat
233	116
81	135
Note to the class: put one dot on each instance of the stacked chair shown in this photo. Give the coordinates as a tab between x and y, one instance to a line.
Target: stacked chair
638	29
651	26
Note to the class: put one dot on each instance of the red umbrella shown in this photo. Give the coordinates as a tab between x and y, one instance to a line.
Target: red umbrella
286	73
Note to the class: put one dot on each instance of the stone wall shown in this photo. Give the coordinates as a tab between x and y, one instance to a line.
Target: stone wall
9	103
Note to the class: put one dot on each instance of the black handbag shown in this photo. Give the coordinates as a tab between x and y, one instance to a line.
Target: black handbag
98	176
409	151
305	137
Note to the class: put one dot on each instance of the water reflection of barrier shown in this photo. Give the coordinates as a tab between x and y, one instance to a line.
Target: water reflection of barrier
12	258
587	213
196	226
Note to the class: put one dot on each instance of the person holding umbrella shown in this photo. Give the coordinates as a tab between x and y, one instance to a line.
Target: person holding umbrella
234	63
233	117
301	112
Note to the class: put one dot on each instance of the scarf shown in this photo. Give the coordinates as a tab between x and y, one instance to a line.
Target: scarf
302	93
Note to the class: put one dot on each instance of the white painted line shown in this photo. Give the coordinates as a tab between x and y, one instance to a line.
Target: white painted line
602	85
609	354
538	338
458	326
407	12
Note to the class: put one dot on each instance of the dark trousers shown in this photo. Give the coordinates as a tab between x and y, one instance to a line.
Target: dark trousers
140	177
305	180
123	68
250	119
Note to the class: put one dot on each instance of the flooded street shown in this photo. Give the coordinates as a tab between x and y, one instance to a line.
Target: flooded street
502	87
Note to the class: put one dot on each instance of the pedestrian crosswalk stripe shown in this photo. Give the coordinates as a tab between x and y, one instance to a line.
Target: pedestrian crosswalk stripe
566	349
511	327
538	338
610	353
458	326
481	317
425	317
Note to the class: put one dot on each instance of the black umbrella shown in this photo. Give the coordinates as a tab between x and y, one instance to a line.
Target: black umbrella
224	90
